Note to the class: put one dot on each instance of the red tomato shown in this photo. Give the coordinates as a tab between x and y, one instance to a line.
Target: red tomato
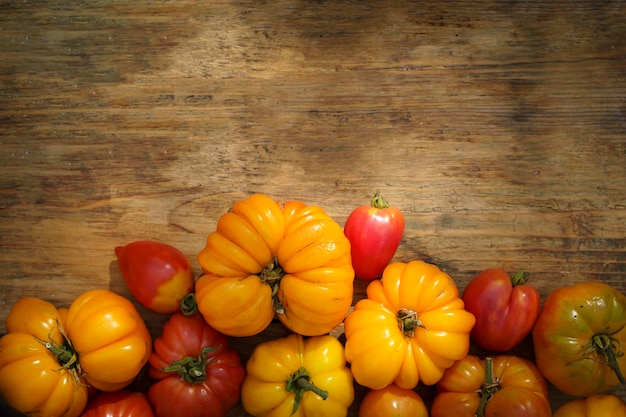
198	375
119	404
158	275
392	401
505	308
374	233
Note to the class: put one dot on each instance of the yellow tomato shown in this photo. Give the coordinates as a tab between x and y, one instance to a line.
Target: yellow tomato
39	372
298	377
268	259
598	405
411	327
110	338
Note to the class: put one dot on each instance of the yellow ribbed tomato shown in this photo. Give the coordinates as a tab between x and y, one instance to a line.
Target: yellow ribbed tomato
411	327
109	337
268	259
298	377
39	372
597	405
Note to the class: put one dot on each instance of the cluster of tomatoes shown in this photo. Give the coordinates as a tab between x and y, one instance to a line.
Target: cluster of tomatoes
289	261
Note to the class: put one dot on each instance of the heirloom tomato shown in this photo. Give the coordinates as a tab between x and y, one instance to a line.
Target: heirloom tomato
505	307
119	404
266	257
410	328
109	337
197	374
597	405
392	401
500	386
579	338
39	371
299	377
374	232
158	275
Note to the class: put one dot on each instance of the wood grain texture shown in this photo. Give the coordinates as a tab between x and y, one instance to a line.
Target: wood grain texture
497	127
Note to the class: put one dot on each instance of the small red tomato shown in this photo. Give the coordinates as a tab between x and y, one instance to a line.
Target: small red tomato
374	232
119	404
158	275
392	401
505	308
197	374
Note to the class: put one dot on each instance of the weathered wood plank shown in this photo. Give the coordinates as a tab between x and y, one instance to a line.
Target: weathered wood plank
498	128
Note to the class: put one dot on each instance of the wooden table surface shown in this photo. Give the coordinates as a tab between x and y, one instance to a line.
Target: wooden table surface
497	127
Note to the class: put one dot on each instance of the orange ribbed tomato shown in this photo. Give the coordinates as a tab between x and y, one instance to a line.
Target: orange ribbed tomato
504	385
39	372
268	259
411	327
109	337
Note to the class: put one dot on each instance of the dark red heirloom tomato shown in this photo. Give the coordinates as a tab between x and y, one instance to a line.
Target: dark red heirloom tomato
158	275
505	308
119	404
374	232
197	374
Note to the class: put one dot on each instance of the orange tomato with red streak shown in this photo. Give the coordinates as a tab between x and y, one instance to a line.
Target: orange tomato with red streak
503	385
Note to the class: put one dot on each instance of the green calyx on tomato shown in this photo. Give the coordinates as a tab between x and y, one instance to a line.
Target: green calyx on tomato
300	382
65	354
271	275
192	370
608	346
408	321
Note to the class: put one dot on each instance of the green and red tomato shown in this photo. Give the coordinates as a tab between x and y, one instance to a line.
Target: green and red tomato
580	336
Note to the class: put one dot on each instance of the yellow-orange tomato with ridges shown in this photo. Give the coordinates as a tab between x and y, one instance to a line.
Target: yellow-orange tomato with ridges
268	258
39	372
110	338
410	328
597	405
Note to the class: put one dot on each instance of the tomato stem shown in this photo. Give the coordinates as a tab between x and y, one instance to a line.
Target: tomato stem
188	304
379	202
298	383
408	322
520	278
65	355
609	347
271	275
488	389
192	370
